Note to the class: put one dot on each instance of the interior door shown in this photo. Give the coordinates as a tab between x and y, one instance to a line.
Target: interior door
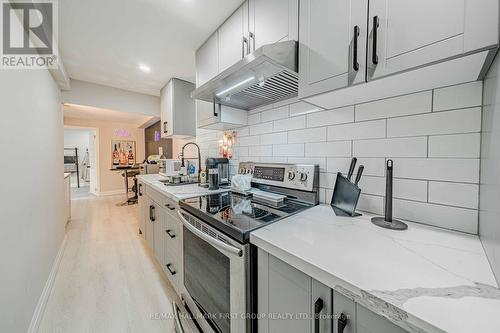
232	41
207	60
332	47
273	21
406	33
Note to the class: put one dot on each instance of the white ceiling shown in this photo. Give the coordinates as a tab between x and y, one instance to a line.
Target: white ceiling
104	41
98	114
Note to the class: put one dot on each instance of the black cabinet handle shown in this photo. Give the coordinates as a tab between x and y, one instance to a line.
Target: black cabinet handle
355	63
216	114
165	130
375	40
341	323
244	51
169	232
318	306
140	188
169	207
173	272
152	213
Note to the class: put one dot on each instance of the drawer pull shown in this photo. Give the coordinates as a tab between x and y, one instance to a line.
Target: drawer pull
355	63
172	272
341	323
169	232
376	25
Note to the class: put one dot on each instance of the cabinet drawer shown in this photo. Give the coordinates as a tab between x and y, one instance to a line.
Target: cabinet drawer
161	199
369	322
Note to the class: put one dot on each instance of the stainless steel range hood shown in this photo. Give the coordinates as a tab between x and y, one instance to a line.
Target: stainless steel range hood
267	75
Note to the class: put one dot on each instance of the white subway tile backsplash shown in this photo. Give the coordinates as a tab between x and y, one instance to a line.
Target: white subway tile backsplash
454	194
249	141
436	154
449	122
290	124
274	114
307	135
460	96
364	130
398	147
453	170
254	118
274	138
331	117
289	150
329	149
371	203
260	150
455	146
262	128
395	107
301	108
460	219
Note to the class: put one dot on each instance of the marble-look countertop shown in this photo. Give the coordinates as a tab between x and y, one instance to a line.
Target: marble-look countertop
178	192
423	279
66	175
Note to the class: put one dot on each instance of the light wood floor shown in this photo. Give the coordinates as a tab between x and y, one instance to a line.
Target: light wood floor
107	280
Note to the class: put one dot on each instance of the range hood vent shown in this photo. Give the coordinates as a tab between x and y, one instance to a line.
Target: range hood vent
263	77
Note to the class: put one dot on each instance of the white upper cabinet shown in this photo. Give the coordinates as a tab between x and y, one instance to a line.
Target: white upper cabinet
332	49
405	34
207	60
233	41
272	21
178	113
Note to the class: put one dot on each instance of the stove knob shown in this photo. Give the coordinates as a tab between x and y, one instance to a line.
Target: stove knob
291	175
303	176
249	171
242	170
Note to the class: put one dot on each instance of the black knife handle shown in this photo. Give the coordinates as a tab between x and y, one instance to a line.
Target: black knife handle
358	176
318	306
341	323
351	167
388	191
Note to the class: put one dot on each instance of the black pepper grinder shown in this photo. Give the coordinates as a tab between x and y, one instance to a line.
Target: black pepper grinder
387	221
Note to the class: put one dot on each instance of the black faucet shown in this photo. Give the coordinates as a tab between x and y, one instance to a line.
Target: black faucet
199	158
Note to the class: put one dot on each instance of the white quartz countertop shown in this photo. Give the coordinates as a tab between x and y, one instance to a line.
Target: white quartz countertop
178	192
423	279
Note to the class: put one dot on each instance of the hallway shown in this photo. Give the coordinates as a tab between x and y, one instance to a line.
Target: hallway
107	279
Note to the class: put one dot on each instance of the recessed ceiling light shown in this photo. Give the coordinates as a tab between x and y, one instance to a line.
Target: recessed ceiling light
145	68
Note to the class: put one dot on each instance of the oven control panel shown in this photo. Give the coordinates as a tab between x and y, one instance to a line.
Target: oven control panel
296	176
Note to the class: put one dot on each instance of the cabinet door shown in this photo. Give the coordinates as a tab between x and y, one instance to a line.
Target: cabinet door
167	118
322	304
346	307
160	225
232	41
207	60
150	216
205	114
369	322
407	33
273	21
331	54
283	290
142	208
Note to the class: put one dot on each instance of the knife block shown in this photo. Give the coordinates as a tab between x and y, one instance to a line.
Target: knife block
345	197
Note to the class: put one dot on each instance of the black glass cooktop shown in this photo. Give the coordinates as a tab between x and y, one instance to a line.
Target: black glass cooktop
237	215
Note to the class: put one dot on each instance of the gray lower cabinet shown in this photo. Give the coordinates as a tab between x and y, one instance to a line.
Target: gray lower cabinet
142	208
149	223
290	301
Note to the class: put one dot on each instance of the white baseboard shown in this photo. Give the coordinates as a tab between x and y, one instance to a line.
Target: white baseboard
115	192
44	297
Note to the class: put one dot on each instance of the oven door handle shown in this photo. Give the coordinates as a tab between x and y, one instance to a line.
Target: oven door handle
208	239
178	325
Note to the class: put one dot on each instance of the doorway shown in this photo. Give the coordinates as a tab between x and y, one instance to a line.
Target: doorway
81	160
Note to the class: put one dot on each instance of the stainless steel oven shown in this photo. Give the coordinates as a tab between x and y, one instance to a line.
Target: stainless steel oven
217	277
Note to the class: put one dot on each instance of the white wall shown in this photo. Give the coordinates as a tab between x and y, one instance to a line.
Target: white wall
433	137
77	138
99	96
32	192
489	213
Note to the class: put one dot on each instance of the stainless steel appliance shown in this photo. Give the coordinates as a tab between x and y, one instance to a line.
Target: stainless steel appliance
220	264
266	75
222	164
169	167
148	168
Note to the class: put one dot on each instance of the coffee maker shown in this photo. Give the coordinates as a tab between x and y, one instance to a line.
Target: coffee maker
222	167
